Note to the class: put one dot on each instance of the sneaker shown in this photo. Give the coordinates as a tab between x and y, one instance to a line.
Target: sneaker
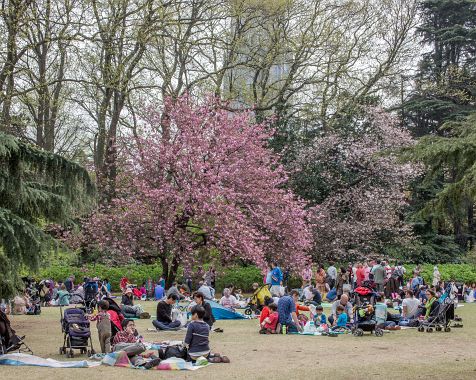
225	359
152	363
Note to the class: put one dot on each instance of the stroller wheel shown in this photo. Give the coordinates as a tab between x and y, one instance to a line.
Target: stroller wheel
93	352
61	350
378	332
421	329
447	329
248	311
438	328
89	353
429	330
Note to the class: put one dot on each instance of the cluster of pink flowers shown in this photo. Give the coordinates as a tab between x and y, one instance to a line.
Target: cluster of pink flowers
210	184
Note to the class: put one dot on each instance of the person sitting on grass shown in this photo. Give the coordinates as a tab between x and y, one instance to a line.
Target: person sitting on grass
342	319
164	314
287	312
208	317
381	313
129	309
197	338
127	341
319	317
228	300
268	325
344	302
103	325
265	312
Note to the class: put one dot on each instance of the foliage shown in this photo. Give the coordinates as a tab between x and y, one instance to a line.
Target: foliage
363	190
35	187
212	186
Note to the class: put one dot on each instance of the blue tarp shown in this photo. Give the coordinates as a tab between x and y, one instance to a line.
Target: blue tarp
220	312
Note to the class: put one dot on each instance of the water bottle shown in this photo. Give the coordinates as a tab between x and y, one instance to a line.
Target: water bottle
312	326
284	330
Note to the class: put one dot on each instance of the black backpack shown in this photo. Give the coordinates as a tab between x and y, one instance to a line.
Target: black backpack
177	351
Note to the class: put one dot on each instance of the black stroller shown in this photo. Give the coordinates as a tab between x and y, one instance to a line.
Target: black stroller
441	317
9	341
90	295
77	334
364	313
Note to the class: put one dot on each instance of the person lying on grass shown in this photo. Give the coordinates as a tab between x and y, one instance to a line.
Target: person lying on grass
197	338
268	325
129	341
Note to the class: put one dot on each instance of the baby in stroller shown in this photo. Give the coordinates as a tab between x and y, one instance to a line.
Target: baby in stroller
364	313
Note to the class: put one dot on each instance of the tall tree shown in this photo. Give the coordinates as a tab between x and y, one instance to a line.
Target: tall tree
213	186
445	91
35	187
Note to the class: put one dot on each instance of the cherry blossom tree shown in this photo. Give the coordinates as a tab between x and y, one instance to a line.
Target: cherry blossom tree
363	187
211	185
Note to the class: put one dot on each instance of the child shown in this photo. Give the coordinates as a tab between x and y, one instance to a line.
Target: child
103	326
341	318
319	318
265	312
268	326
197	338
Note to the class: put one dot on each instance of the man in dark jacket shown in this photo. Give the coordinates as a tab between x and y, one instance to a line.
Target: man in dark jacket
164	314
200	300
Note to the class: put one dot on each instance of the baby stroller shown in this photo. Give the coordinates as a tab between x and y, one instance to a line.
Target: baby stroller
364	313
441	317
9	341
90	295
257	300
75	327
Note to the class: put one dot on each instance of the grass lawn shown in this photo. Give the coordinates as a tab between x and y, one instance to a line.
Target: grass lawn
405	354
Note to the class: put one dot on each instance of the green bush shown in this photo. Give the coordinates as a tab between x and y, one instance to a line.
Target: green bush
241	277
458	272
135	273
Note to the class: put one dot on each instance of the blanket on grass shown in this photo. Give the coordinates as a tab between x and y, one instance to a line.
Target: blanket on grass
115	359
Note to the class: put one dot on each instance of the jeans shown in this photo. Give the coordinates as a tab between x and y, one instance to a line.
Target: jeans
135	310
166	325
133	350
386	324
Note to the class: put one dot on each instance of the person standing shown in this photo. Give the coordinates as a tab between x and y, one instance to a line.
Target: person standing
342	279
380	275
436	276
321	279
332	275
276	280
159	292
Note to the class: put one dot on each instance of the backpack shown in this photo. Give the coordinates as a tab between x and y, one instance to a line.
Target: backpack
177	351
397	272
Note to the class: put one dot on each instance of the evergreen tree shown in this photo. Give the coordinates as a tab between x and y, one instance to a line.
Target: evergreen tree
445	92
446	81
36	187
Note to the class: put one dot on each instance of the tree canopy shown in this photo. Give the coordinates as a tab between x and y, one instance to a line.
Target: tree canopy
36	187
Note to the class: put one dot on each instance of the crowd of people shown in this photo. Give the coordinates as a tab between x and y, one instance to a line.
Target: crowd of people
413	300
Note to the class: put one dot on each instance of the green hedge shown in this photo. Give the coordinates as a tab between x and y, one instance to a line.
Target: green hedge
241	277
135	273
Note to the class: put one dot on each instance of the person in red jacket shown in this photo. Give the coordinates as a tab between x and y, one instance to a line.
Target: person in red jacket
269	323
360	274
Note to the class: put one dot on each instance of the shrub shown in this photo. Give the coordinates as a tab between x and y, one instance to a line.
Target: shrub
241	277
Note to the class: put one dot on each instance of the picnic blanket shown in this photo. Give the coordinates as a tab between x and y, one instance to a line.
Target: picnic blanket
114	359
20	359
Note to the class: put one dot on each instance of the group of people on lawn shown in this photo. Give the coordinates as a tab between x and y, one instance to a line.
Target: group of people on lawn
117	333
281	313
